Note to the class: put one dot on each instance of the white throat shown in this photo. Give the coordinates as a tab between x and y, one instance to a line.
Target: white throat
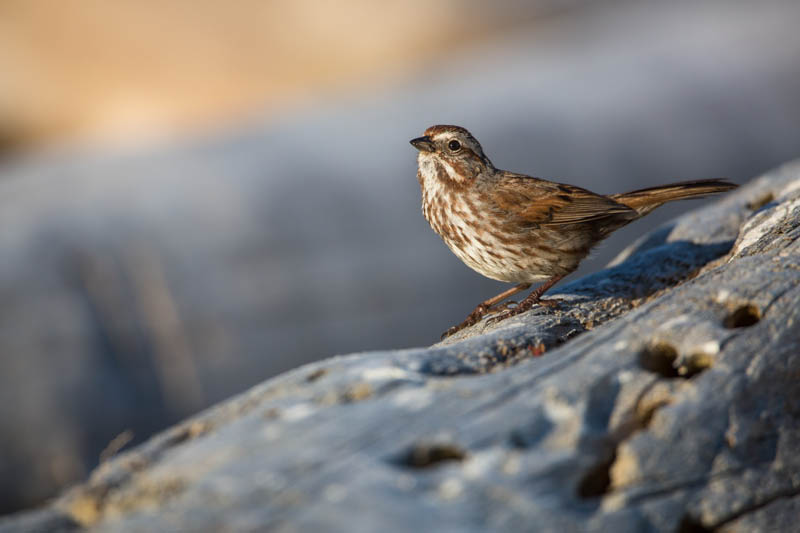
427	169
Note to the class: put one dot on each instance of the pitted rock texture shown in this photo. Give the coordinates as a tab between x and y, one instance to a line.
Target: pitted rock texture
664	395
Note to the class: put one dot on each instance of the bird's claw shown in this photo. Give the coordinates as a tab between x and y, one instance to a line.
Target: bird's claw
499	313
473	318
502	316
521	308
449	332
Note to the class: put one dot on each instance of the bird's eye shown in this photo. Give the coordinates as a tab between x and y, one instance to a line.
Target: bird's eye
454	146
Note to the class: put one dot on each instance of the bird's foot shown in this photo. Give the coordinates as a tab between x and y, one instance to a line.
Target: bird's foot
511	304
499	312
473	318
522	307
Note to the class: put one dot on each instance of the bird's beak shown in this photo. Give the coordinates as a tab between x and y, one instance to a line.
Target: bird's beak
423	144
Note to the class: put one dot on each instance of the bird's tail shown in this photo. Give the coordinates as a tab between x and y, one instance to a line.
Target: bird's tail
645	200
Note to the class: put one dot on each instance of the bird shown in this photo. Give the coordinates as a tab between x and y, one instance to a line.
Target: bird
517	228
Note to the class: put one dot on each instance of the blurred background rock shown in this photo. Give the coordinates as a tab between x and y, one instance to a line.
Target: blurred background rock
197	195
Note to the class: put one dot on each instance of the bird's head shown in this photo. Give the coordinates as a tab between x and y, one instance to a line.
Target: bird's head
451	153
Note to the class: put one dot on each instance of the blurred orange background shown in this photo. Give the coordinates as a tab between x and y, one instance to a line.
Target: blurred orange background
115	71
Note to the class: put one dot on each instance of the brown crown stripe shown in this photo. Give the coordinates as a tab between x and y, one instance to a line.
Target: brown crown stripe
442	128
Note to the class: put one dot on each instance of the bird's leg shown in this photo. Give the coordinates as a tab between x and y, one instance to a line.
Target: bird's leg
484	307
534	298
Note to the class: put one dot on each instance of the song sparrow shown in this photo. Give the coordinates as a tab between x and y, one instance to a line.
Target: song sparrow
517	228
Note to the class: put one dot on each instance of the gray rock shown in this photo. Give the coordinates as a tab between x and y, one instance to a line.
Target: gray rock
664	396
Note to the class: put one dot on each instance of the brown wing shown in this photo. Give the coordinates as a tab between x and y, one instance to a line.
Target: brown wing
543	202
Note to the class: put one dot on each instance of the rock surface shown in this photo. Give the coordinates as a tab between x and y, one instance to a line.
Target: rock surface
664	397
